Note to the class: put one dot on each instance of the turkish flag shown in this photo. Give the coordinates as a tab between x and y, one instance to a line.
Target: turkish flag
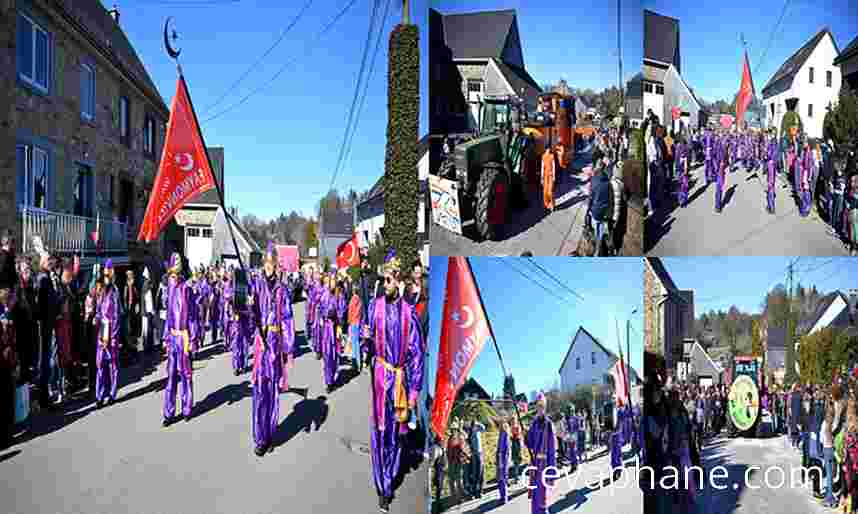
184	171
620	390
348	253
746	93
464	332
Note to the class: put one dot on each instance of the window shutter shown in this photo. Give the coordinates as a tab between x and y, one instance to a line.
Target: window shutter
117	114
59	187
25	46
60	63
21	179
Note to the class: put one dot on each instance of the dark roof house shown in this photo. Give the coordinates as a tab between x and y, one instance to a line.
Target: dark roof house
783	77
472	389
832	311
848	62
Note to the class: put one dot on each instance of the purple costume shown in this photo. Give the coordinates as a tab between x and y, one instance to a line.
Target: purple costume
107	356
180	306
681	152
572	427
236	327
318	293
805	169
329	347
271	303
616	450
502	460
215	298
772	171
288	336
397	371
542	444
721	152
311	309
709	156
195	322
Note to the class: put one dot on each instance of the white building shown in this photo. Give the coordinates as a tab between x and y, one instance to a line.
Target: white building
369	215
809	78
589	363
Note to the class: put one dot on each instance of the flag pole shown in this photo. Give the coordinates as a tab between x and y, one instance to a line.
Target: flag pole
495	343
175	56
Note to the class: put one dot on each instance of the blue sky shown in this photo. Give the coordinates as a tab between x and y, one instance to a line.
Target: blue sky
562	40
710	37
533	327
281	145
719	282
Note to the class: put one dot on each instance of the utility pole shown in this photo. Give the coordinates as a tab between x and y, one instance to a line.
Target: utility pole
620	56
406	12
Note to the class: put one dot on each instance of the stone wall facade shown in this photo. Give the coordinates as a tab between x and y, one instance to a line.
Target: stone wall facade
53	121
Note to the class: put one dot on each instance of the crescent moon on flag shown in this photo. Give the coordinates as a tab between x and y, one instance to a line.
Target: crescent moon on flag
351	248
469	320
190	162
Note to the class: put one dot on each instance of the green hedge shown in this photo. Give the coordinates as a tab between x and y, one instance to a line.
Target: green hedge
401	188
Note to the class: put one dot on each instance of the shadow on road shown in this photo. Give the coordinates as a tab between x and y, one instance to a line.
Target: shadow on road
228	394
7	456
729	196
307	414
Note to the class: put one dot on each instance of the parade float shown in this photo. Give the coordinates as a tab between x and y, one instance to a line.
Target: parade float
743	406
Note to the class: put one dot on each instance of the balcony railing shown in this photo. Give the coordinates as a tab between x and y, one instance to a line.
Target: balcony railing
67	233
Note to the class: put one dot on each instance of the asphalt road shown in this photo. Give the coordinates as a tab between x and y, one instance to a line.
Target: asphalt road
743	227
532	229
120	460
587	491
768	463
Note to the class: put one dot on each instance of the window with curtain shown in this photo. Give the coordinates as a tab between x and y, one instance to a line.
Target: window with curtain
33	176
83	191
33	53
87	91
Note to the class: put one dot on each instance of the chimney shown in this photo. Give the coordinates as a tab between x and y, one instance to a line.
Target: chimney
114	13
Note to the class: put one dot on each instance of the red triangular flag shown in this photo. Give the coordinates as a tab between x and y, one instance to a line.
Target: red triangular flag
348	253
746	93
184	171
464	332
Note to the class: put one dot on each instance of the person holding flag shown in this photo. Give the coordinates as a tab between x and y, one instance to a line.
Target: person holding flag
397	375
177	342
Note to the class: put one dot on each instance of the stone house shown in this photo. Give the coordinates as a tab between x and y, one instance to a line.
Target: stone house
668	314
88	125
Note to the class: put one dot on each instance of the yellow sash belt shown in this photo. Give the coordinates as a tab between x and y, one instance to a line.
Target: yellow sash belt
185	339
400	400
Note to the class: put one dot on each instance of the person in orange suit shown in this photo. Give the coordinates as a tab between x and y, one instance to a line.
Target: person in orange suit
548	172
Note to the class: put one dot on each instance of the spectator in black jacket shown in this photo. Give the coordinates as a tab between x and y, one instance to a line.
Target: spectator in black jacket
26	320
48	308
8	276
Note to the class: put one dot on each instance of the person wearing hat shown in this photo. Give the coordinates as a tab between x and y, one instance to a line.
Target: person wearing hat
328	307
196	312
273	306
177	341
541	441
288	335
107	355
397	376
311	283
320	292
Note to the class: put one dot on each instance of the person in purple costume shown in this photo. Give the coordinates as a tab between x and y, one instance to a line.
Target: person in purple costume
321	290
542	442
107	354
617	449
196	330
572	428
177	341
288	335
807	171
502	461
681	152
310	291
709	156
771	167
233	329
270	303
215	294
721	152
397	376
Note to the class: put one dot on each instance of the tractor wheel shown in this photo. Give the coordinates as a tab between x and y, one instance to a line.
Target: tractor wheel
492	199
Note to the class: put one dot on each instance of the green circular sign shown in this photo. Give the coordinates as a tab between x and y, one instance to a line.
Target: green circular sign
744	404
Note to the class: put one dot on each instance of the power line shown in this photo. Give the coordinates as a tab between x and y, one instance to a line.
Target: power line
261	58
826	263
506	262
555	279
349	137
771	38
324	31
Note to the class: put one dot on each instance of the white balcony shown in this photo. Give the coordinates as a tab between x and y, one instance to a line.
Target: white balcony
69	234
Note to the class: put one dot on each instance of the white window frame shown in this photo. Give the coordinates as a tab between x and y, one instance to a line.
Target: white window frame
829	78
149	135
31	79
30	153
87	98
124	125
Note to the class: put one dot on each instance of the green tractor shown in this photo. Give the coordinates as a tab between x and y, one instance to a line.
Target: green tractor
485	172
